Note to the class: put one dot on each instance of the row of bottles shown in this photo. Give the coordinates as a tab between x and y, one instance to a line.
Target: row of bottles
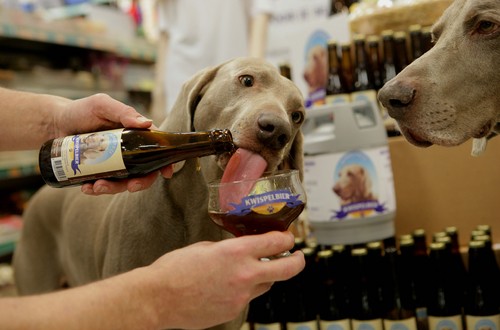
411	285
358	69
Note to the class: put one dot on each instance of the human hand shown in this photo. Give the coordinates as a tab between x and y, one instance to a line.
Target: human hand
101	112
212	283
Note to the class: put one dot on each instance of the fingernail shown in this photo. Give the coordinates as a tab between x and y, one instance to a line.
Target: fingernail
144	119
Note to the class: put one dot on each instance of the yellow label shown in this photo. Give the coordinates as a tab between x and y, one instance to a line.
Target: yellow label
271	326
87	154
407	324
375	324
309	325
483	322
335	325
445	322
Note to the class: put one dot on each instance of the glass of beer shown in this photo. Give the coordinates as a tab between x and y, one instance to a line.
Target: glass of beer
250	207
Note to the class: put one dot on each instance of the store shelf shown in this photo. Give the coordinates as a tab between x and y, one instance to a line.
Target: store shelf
18	164
74	33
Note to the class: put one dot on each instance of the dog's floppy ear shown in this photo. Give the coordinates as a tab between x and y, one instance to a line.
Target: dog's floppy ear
295	157
180	118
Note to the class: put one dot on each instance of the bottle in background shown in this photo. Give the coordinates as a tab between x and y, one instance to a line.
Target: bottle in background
415	41
482	301
389	56
336	89
375	61
444	304
123	153
300	296
364	88
365	306
401	51
333	304
346	64
400	308
410	263
262	314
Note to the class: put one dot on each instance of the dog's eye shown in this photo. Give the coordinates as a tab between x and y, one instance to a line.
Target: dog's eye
297	117
486	27
246	80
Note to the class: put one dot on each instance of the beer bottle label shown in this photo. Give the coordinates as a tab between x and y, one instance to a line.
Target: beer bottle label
375	324
483	322
308	325
445	322
335	325
270	326
85	155
406	324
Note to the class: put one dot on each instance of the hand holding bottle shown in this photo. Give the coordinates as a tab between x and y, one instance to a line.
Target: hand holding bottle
101	112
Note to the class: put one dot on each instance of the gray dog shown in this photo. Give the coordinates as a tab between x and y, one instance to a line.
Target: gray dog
73	238
450	94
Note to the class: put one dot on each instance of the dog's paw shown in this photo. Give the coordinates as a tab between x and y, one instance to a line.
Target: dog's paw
478	146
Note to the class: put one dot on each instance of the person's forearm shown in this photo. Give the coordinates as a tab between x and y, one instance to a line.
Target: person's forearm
121	302
27	118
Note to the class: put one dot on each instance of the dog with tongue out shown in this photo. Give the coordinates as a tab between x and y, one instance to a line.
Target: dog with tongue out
91	237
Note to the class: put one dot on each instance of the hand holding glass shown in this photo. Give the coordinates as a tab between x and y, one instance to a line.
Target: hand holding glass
250	207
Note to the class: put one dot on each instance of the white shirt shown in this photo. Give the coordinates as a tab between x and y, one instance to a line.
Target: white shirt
203	33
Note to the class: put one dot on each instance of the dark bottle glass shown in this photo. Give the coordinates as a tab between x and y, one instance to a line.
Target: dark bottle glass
410	265
338	6
346	64
491	260
365	305
444	304
375	60
363	78
333	306
389	56
401	51
415	41
336	89
300	296
378	266
262	314
426	39
123	153
285	70
400	308
482	301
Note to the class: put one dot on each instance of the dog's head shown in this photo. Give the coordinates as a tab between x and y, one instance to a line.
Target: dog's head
262	109
450	94
353	183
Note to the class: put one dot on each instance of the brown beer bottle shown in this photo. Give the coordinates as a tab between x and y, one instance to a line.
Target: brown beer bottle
336	89
346	64
400	47
482	302
285	70
123	153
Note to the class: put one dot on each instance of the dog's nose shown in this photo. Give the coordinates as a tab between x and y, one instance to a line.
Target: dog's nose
273	131
396	97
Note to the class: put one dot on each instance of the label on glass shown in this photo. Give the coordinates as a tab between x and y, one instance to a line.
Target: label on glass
270	326
309	325
349	185
335	325
445	322
87	155
483	322
375	324
407	324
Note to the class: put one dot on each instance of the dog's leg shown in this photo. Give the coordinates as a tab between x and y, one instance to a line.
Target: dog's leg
37	267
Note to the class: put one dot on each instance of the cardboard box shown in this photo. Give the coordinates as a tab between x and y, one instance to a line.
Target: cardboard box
445	186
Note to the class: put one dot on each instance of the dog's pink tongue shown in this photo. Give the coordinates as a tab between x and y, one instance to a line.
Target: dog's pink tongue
243	165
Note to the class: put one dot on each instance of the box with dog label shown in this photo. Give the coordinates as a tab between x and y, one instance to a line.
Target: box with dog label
348	174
